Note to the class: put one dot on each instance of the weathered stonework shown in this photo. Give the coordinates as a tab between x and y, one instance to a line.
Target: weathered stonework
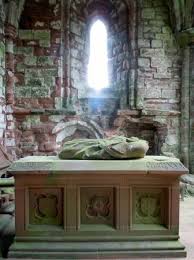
51	76
47	53
115	14
37	53
2	77
44	96
191	137
160	60
159	68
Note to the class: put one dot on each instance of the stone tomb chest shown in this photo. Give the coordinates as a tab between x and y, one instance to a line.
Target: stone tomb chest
97	209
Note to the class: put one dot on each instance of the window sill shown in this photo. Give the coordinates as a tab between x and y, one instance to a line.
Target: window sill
105	93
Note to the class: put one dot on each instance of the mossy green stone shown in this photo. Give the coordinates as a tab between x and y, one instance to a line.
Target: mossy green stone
34	82
22	92
26	34
2	49
30	61
53	72
45	60
38	92
148	13
42	35
45	43
24	50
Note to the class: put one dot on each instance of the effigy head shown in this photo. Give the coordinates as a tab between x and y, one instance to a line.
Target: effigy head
116	147
127	148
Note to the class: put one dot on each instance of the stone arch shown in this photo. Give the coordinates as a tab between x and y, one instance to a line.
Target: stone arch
66	131
121	19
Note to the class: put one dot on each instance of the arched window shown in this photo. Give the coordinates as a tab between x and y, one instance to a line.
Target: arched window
98	58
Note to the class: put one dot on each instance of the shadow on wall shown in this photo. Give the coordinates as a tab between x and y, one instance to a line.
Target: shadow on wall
66	131
153	132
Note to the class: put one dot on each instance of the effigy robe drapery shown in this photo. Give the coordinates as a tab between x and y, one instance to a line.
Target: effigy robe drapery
116	147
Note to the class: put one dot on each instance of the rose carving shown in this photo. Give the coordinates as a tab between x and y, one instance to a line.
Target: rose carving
98	207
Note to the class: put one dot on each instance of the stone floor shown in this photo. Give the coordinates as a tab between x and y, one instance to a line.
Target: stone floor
187	226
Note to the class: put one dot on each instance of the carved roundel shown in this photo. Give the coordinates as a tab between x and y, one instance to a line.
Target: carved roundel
98	207
147	207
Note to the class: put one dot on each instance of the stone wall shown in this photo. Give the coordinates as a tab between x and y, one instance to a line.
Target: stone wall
191	150
37	54
115	16
159	61
51	56
159	69
2	77
34	135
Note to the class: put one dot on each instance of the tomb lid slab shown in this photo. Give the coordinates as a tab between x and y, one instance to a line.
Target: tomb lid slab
52	164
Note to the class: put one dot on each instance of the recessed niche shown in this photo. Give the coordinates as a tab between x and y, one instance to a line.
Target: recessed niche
45	207
148	209
97	208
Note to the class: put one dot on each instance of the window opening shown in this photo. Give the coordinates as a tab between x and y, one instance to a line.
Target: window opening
98	58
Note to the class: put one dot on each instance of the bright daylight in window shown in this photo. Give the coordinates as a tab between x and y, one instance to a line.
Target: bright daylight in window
98	59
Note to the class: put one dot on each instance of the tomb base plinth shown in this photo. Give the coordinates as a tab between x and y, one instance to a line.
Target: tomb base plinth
70	209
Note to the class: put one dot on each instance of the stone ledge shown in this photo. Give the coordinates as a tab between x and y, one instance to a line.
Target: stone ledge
128	112
97	250
160	113
23	111
145	112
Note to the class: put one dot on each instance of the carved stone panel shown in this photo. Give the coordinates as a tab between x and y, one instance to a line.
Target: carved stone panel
45	206
148	206
165	165
97	205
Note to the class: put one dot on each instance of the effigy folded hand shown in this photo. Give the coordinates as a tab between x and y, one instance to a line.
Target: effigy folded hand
116	147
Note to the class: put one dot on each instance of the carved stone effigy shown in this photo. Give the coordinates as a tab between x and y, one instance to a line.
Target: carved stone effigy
88	209
116	147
